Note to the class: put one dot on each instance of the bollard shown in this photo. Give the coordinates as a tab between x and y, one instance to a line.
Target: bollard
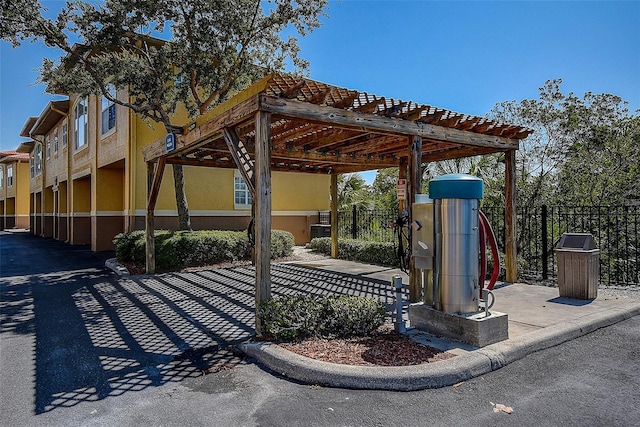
398	323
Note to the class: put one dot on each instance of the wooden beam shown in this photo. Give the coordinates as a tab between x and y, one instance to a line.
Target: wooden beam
205	131
157	173
334	216
370	106
454	153
375	123
337	159
415	183
510	217
293	91
321	138
262	202
154	179
241	158
367	143
352	168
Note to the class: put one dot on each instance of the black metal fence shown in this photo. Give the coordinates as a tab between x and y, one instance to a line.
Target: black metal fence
539	228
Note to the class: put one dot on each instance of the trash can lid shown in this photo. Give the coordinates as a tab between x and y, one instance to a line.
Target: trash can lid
456	186
573	241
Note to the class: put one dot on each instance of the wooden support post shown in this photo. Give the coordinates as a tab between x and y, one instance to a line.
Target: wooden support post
510	217
262	202
415	183
149	226
334	215
402	174
154	179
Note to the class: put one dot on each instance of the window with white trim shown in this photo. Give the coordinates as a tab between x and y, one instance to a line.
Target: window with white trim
108	116
37	160
9	175
55	141
1	176
48	144
80	126
241	193
64	135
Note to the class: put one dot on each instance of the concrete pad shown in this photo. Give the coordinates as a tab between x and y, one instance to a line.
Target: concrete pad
475	329
444	344
540	306
355	268
517	328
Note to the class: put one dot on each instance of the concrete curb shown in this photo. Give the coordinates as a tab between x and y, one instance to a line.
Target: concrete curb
401	378
435	375
119	269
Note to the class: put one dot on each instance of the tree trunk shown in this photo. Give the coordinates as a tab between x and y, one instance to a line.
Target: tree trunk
181	199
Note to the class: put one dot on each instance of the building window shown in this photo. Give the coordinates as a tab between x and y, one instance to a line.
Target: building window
38	160
32	165
108	110
55	141
80	126
10	176
64	135
242	195
1	177
48	143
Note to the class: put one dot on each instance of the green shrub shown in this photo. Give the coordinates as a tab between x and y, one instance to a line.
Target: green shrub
381	253
352	316
126	245
293	318
282	243
322	245
178	249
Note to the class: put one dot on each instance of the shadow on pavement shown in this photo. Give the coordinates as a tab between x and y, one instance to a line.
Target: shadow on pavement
98	335
570	301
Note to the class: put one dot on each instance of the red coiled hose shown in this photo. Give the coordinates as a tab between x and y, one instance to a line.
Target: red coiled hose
486	232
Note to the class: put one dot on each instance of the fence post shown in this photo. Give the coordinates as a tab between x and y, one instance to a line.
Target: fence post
545	243
354	223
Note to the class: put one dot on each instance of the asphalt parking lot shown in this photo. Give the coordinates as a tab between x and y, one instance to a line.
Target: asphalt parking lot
93	334
82	346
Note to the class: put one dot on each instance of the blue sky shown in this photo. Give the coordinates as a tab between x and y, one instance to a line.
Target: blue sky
465	56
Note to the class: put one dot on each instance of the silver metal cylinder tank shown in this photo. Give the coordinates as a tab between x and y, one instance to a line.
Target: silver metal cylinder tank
455	273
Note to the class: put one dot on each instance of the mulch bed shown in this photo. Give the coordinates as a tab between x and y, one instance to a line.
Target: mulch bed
384	348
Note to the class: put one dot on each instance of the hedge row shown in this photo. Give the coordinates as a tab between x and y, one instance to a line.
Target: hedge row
293	318
380	253
179	249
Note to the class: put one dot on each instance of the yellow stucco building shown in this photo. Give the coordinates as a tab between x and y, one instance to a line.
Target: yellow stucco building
88	180
14	190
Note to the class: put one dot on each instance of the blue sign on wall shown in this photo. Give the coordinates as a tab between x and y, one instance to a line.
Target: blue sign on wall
170	142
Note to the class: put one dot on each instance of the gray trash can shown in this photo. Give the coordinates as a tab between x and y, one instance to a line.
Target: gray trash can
578	266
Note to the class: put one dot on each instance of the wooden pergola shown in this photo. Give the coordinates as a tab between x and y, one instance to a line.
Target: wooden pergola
284	123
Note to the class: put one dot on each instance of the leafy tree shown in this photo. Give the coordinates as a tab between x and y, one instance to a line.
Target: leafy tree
216	48
541	154
603	167
385	189
352	191
583	151
489	168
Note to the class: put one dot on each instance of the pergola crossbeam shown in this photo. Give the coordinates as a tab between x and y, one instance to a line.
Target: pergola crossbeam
374	123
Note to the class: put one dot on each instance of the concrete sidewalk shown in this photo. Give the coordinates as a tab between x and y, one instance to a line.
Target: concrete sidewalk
538	319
